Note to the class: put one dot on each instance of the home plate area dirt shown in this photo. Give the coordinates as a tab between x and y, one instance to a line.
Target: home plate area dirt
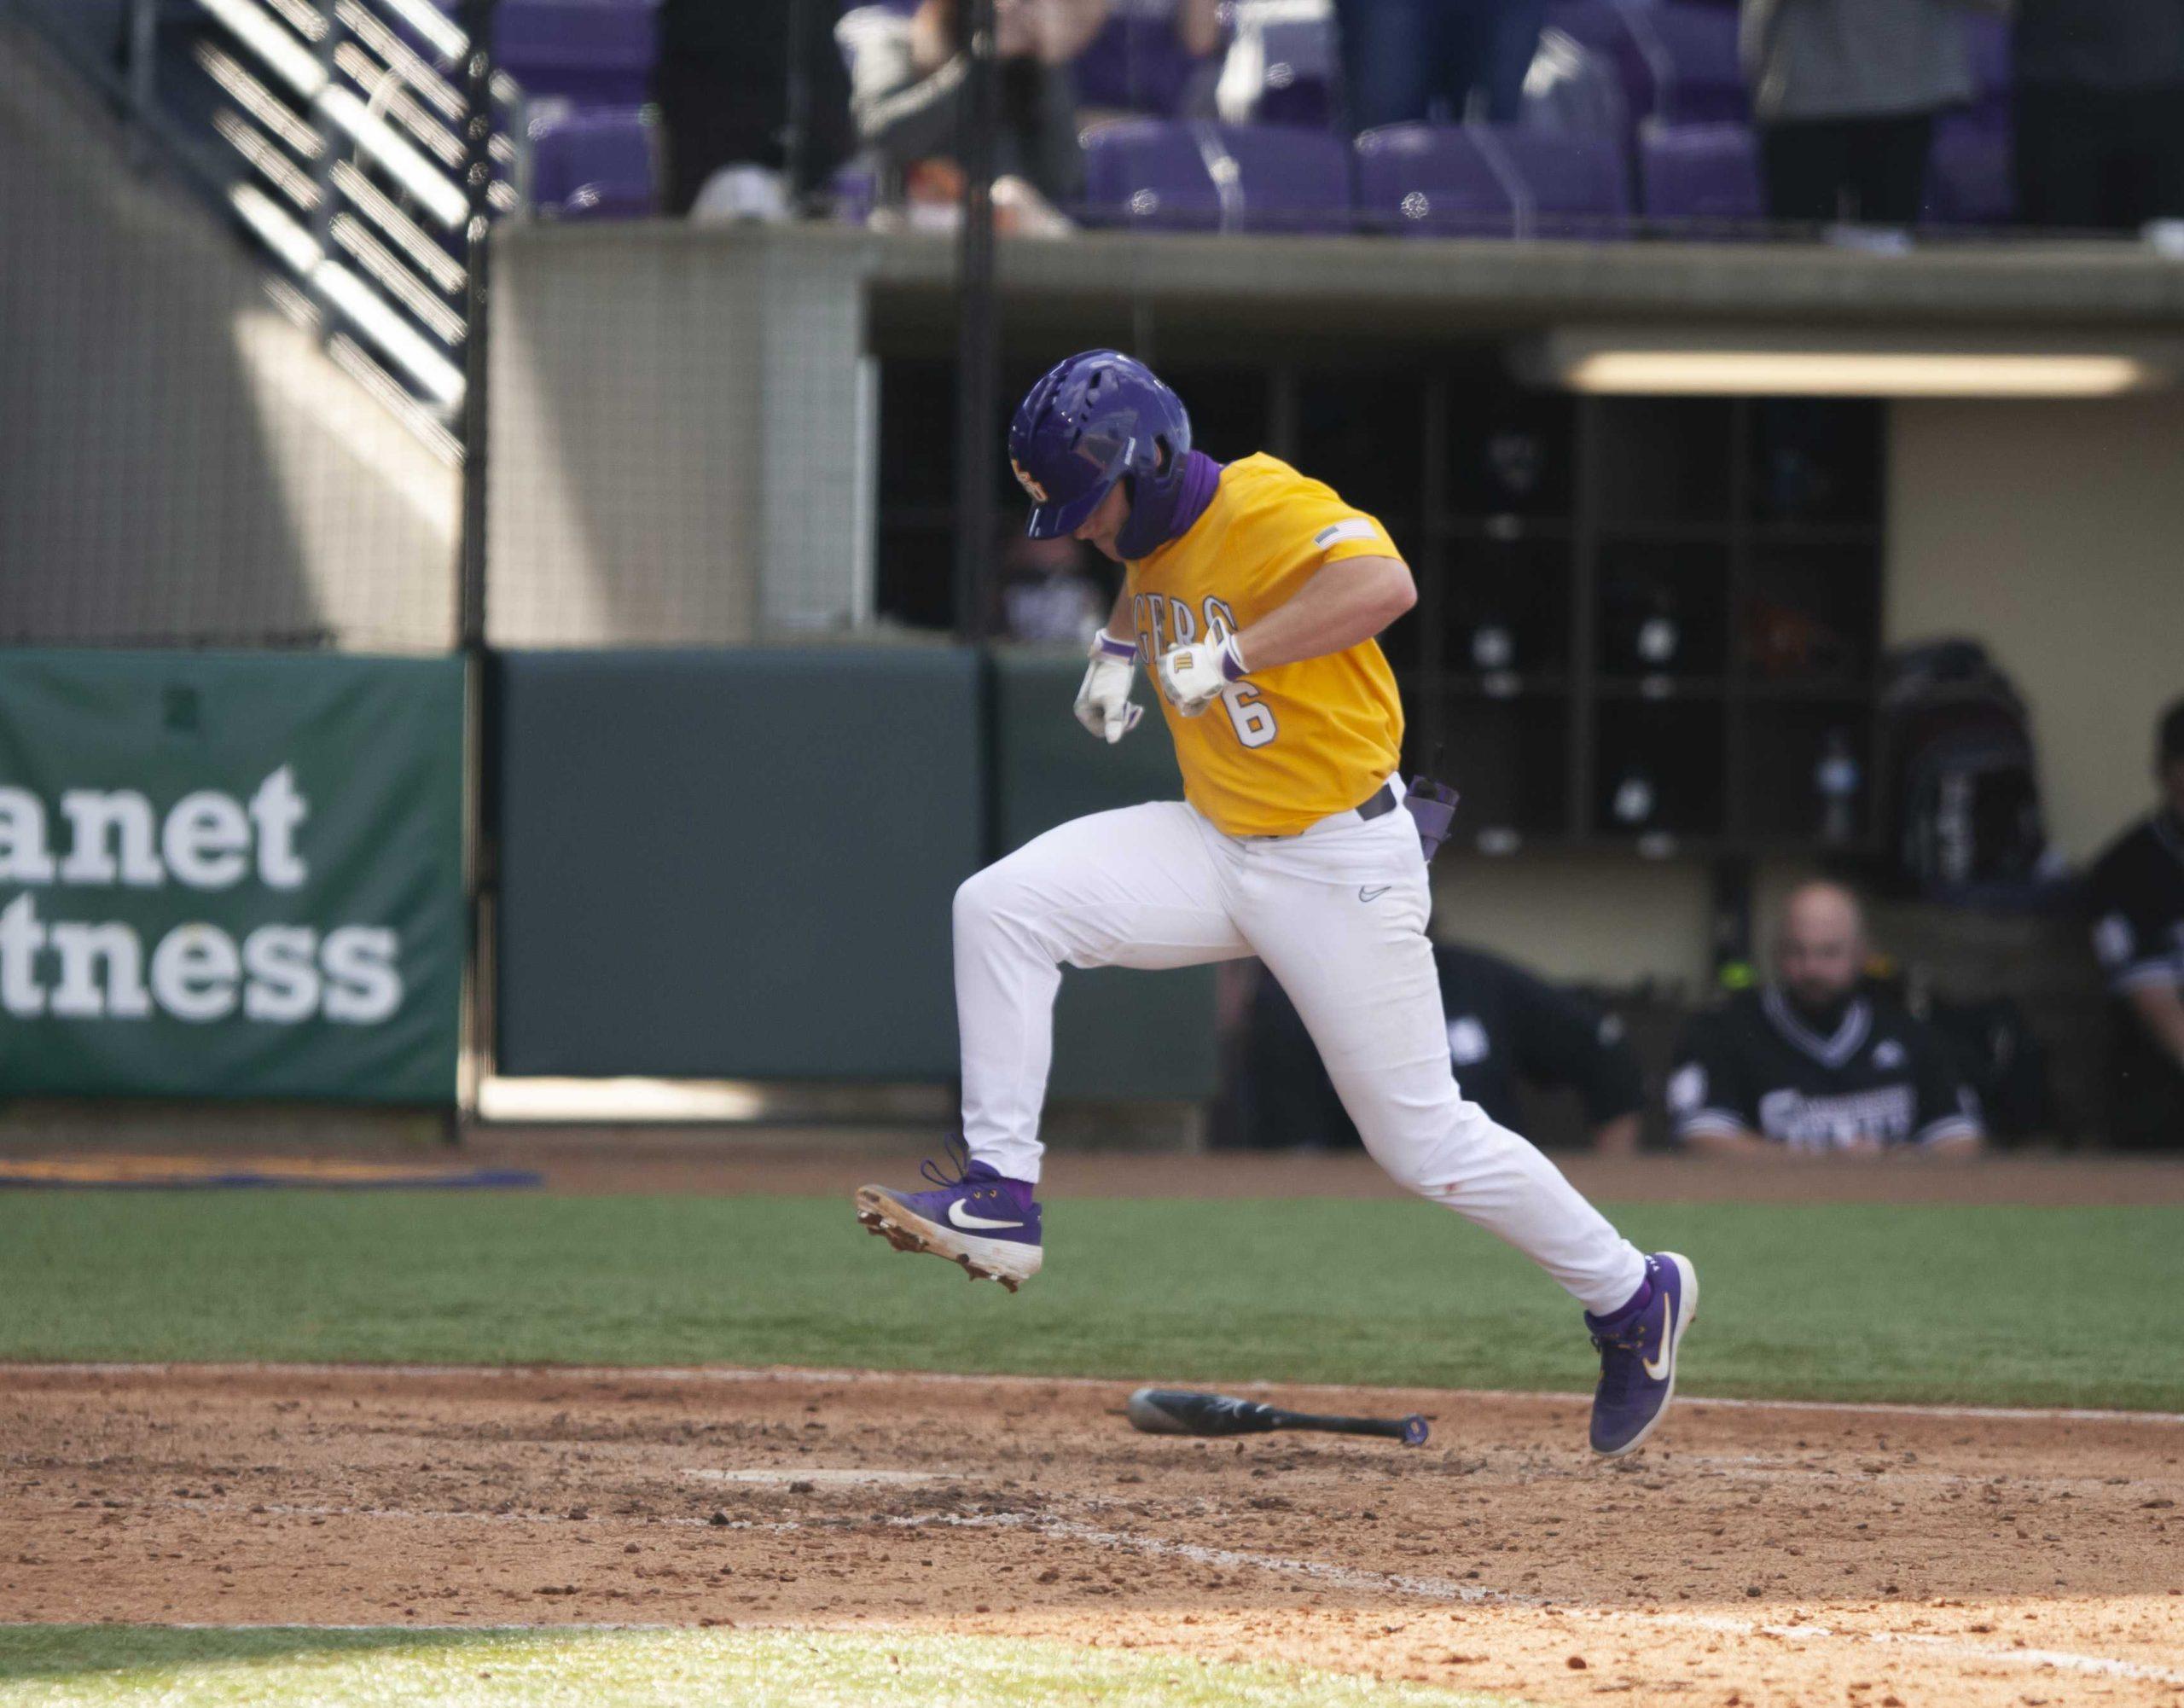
1756	1555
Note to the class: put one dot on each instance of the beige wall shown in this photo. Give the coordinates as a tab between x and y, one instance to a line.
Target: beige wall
180	462
2054	533
680	451
1602	918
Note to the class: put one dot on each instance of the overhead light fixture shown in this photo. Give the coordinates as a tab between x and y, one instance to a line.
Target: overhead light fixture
1768	364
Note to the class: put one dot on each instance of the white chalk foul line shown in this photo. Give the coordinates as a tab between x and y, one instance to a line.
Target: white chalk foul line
790	1373
817	1477
1450	1589
1411	1584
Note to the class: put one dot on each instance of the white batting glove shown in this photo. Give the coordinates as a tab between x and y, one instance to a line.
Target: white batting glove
1194	675
1103	704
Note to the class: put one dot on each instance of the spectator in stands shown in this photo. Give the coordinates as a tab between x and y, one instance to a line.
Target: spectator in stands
1845	94
1151	57
1405	61
1048	594
2100	111
2137	893
754	88
1504	1026
1811	1065
908	76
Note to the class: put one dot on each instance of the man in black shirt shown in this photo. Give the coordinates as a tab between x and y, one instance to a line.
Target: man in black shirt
743	83
2137	893
1810	1064
1504	1026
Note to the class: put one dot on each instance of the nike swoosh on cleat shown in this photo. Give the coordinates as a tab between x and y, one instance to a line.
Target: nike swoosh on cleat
1374	895
1657	1370
963	1218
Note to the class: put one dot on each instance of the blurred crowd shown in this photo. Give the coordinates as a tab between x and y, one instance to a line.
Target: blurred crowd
797	101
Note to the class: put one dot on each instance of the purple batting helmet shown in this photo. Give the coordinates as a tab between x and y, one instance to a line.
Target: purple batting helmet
1091	421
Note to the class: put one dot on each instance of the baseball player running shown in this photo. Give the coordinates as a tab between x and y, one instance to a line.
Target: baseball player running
1253	595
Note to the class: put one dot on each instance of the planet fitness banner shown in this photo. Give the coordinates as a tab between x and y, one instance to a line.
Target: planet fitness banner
230	875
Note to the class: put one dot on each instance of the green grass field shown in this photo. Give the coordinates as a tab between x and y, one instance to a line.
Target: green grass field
84	1666
1980	1305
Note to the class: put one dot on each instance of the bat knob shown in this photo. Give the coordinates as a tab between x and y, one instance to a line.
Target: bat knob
1415	1431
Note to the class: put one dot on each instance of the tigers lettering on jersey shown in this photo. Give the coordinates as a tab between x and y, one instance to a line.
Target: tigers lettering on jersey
1286	747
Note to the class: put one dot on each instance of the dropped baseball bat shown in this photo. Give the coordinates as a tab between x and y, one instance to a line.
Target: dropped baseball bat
1176	1411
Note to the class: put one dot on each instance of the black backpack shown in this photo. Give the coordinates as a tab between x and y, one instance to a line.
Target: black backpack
1959	800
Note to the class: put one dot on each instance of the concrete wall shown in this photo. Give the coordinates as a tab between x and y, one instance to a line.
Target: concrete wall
2054	533
1598	918
179	460
678	449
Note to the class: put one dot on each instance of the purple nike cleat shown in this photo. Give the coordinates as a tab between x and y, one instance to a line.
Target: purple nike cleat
1638	1350
980	1219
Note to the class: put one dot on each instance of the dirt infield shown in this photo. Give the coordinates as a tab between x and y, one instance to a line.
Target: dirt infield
1759	1554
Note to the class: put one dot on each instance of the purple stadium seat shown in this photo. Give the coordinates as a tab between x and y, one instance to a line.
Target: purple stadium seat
595	165
1701	174
598	53
1968	175
1433	181
1491	181
1691	55
1148	174
1573	91
1987	39
1677	62
1157	174
1299	70
1291	179
1135	65
1569	185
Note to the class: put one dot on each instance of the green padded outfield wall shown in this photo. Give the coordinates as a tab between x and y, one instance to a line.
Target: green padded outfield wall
1117	1033
231	875
732	864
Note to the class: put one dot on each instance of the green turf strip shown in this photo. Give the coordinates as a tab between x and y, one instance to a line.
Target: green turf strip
80	1666
1977	1305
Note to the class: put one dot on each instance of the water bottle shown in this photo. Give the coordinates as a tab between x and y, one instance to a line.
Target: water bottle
1634	800
1836	780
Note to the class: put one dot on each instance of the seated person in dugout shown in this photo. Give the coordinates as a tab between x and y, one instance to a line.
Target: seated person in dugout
1504	1026
2137	895
1811	1063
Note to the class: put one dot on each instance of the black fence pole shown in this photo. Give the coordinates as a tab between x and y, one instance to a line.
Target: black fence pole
977	424
477	82
478	183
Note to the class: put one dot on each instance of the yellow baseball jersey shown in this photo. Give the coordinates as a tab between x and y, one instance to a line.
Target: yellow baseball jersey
1284	747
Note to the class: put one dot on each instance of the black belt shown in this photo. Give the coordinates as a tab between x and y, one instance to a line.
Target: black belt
1382	801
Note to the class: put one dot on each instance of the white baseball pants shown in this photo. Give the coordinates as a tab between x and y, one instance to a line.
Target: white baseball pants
1339	915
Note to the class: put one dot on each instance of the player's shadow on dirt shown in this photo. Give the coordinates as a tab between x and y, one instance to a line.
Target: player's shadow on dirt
66	1652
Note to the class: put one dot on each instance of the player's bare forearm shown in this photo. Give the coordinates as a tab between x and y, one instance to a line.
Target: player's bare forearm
2160	1009
1344	603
